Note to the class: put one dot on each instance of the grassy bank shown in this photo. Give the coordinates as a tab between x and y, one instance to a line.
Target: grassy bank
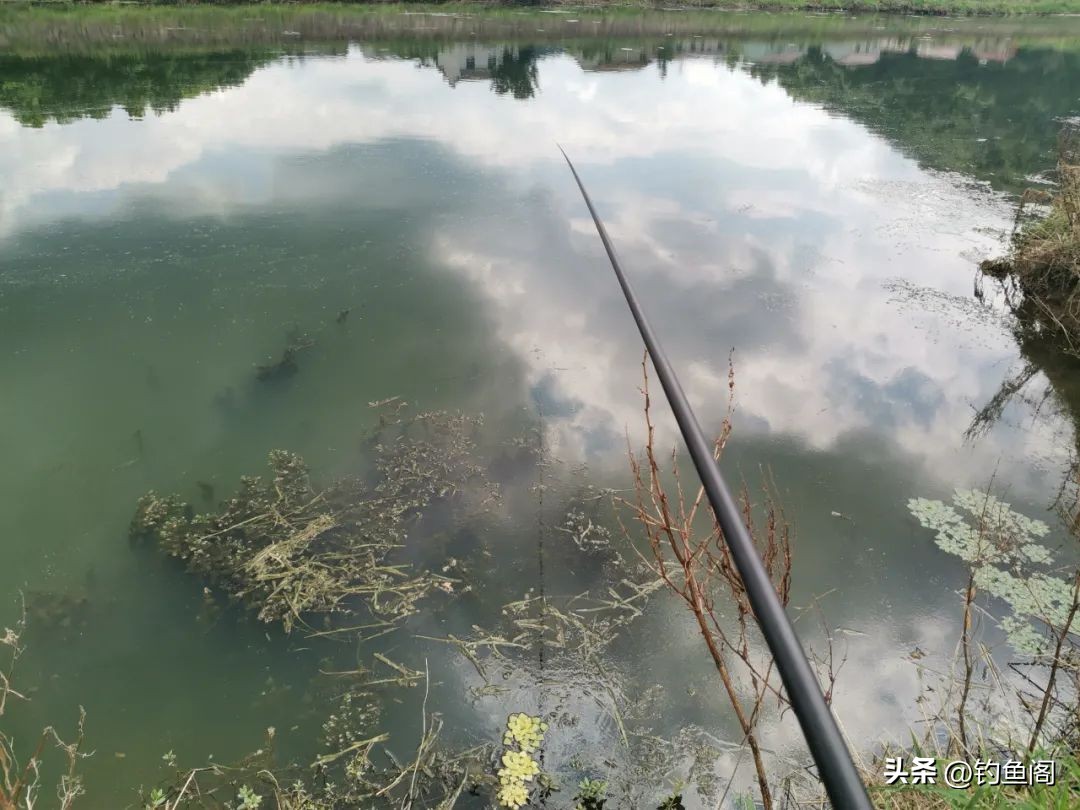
929	7
957	7
1042	269
99	28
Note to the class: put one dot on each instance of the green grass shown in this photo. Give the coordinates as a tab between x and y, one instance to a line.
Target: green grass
92	25
936	7
1045	256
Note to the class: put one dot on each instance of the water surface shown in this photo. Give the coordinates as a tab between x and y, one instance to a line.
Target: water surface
806	195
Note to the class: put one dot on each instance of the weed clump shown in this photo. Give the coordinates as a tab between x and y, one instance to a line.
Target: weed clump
288	549
286	366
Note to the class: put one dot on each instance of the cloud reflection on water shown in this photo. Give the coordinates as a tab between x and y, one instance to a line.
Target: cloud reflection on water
746	219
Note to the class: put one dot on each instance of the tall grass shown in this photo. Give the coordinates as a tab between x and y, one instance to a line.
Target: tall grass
1042	270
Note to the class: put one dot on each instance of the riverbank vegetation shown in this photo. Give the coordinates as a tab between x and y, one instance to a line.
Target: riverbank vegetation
147	59
987	125
1018	702
46	28
1041	272
935	7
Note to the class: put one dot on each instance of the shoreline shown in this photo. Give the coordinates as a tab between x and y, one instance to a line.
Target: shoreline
100	27
918	8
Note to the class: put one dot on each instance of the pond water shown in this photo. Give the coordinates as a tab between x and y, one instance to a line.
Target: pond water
808	195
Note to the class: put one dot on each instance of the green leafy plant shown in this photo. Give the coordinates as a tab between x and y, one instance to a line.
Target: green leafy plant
248	798
591	794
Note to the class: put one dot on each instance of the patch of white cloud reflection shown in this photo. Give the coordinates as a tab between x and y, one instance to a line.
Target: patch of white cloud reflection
857	213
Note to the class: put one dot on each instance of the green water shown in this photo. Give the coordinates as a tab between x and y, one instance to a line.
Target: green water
811	192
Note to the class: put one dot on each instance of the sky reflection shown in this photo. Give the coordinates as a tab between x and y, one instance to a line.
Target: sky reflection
834	270
759	223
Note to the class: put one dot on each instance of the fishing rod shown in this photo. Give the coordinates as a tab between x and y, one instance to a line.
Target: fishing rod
835	765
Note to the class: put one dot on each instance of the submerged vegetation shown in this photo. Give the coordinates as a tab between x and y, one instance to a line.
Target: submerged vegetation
286	366
291	551
367	554
306	556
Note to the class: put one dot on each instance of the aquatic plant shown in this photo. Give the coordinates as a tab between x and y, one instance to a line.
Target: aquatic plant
286	548
62	612
523	734
587	535
525	731
1006	560
248	799
1002	548
286	366
672	802
346	776
591	794
513	794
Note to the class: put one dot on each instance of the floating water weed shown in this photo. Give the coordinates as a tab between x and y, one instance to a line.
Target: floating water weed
1002	551
1002	548
524	731
524	734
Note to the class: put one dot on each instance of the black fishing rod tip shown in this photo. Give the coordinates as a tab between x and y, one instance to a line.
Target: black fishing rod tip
569	163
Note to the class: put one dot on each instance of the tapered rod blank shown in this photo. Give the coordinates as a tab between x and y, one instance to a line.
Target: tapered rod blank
835	766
